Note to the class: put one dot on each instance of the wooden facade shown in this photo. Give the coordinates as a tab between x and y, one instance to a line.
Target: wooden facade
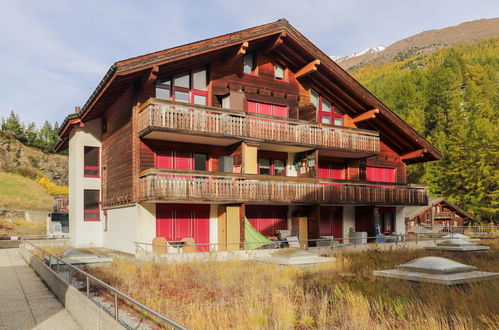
165	113
438	212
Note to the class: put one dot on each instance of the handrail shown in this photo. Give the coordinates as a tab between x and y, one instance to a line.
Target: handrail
170	322
380	239
239	113
209	174
194	119
233	189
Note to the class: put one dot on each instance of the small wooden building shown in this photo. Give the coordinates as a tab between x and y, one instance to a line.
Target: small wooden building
438	212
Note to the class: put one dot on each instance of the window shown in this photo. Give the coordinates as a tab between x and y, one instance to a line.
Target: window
271	163
200	162
380	174
278	71
327	113
91	205
188	87
163	89
268	109
264	166
91	162
279	167
248	64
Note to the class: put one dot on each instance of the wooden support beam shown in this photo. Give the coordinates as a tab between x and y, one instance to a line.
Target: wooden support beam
151	76
308	69
277	42
365	116
413	154
234	54
242	49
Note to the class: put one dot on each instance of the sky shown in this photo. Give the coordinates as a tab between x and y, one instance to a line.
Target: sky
53	53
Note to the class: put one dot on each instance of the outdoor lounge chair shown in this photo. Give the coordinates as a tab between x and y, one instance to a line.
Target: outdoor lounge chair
188	246
293	241
161	245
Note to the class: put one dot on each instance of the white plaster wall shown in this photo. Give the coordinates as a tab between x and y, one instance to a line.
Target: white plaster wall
213	226
83	233
400	220
348	220
122	229
146	222
129	224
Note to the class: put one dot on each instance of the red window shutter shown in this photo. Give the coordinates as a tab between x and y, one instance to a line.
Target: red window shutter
183	160
323	170
325	225
331	221
281	218
164	159
265	109
380	174
252	107
201	226
183	223
177	221
165	221
267	219
280	111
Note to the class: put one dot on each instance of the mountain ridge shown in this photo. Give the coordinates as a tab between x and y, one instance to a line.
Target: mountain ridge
424	42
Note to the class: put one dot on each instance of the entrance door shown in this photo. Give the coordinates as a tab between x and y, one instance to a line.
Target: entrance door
331	221
177	221
268	219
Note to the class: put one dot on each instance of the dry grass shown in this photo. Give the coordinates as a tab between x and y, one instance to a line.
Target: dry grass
251	295
21	227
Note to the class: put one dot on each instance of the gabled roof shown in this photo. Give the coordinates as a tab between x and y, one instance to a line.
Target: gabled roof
123	73
413	211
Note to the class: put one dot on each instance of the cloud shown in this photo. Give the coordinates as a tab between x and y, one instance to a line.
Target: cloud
54	53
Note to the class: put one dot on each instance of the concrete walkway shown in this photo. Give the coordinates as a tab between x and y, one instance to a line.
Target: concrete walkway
25	301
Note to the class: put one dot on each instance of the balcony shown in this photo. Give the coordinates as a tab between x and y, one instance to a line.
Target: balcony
444	215
168	185
171	120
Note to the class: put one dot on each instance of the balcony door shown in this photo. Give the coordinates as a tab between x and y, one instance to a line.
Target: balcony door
331	221
268	219
177	221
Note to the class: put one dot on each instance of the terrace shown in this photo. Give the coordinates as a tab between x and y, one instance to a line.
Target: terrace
158	185
169	120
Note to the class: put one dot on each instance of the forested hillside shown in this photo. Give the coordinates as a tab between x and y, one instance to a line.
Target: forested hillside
452	98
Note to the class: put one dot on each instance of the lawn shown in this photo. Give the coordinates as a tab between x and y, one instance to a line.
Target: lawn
344	294
21	193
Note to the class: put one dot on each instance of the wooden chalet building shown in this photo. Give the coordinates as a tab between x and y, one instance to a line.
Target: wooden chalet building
259	123
438	212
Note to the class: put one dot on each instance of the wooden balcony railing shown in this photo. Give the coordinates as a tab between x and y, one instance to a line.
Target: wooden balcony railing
172	187
444	215
61	203
158	115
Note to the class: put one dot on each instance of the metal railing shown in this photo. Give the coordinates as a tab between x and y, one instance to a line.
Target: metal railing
191	118
333	243
482	231
59	266
212	188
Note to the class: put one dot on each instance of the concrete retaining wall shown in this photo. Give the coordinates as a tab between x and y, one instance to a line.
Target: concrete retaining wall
214	256
9	244
85	312
255	254
386	246
31	216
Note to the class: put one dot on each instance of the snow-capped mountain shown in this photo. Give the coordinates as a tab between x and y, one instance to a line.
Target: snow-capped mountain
371	50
